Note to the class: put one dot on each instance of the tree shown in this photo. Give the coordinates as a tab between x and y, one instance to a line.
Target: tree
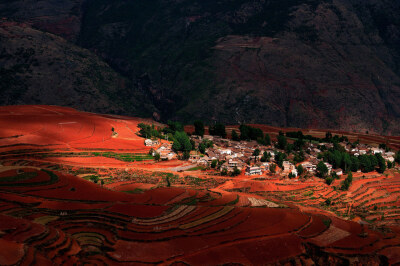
282	142
365	163
381	163
224	172
300	169
397	157
355	164
267	139
337	159
181	142
266	157
389	164
174	126
244	132
289	148
251	133
347	182
279	157
299	157
235	135
346	162
374	162
328	202
208	143
236	171
198	128
334	175
202	148
218	130
193	143
256	152
256	133
94	178
329	180
214	163
149	131
328	136
322	169
157	157
298	144
350	177
272	167
186	155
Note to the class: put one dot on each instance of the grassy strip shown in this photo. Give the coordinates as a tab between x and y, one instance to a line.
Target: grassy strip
19	177
207	219
53	179
126	157
196	168
135	191
233	202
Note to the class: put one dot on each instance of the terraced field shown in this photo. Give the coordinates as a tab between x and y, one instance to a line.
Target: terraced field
49	217
372	197
71	193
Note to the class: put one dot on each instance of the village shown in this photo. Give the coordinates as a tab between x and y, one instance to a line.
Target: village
229	157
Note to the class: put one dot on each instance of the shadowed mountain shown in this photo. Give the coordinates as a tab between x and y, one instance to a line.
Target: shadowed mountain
326	64
41	68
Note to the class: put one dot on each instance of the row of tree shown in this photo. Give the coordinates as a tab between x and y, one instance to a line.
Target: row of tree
246	132
150	131
366	163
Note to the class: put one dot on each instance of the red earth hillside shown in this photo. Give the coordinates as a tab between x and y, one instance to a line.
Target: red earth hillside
51	217
61	128
80	188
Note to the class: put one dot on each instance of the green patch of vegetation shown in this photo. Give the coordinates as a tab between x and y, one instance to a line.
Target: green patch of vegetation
196	168
135	191
309	193
327	222
192	180
19	177
93	178
25	176
233	202
193	201
328	202
126	157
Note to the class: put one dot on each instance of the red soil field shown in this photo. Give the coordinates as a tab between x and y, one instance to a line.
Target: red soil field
52	125
211	229
50	215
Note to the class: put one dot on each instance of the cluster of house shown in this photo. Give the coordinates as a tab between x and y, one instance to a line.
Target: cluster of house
164	149
239	154
363	149
234	154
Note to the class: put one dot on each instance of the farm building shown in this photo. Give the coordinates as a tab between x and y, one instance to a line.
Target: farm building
151	142
253	170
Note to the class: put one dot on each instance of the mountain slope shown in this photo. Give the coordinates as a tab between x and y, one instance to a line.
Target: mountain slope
288	63
41	68
309	63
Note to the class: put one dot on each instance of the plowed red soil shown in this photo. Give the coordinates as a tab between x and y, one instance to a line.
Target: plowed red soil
147	213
